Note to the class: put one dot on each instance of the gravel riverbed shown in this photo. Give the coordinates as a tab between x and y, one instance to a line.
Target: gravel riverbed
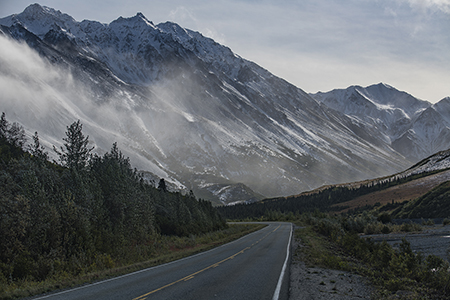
431	240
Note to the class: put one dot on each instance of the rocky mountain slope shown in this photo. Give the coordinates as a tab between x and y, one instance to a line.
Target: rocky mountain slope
413	127
188	109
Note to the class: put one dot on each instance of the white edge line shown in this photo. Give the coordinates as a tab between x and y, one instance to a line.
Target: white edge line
143	270
276	295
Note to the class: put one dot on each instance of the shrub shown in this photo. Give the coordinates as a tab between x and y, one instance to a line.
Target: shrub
374	228
385	229
428	222
410	227
385	218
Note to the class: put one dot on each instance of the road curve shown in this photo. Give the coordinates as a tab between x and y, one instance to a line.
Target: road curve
251	267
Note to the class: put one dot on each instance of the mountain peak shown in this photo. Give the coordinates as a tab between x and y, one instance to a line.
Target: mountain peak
40	19
37	11
384	85
139	19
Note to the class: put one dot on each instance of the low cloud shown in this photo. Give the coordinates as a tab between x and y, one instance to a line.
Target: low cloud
46	98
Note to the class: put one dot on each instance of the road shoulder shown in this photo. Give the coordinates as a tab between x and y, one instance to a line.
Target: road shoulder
320	283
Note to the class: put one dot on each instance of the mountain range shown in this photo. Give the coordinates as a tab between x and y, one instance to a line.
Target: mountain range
188	109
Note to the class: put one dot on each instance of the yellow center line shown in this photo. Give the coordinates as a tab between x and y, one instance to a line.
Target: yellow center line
143	297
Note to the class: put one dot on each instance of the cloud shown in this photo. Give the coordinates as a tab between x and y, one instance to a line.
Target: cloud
25	78
41	96
182	14
442	5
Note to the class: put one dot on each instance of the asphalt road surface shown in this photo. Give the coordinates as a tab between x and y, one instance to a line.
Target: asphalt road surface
253	267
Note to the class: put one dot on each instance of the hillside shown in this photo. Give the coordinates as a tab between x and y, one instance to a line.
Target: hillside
403	192
386	193
433	204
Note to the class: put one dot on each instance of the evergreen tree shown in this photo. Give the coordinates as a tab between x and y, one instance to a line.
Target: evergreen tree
162	185
4	125
16	135
37	150
75	154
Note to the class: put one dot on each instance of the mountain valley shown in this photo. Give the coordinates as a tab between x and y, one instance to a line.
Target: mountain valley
189	110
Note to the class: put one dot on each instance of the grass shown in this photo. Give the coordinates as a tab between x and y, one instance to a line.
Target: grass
168	249
318	251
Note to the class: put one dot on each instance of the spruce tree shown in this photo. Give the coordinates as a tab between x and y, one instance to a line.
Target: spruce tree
37	150
16	135
4	125
75	154
162	185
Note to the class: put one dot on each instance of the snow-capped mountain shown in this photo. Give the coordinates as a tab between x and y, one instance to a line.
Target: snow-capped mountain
188	109
413	127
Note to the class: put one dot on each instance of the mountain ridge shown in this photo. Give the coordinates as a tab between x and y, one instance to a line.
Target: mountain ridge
415	128
188	109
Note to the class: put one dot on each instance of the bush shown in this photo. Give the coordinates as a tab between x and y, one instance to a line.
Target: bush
385	218
375	228
385	229
428	222
410	227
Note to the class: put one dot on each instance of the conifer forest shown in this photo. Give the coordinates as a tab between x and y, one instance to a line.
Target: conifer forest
82	209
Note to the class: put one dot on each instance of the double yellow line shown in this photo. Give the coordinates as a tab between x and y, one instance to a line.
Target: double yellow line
189	277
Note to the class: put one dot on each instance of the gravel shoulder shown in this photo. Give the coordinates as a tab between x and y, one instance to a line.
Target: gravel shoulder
320	283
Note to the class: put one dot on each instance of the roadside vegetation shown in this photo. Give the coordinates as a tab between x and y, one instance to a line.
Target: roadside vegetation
76	219
162	249
333	242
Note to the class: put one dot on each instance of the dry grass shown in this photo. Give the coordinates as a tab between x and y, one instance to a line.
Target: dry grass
404	192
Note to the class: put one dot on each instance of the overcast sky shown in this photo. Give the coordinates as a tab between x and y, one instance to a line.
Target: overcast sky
318	45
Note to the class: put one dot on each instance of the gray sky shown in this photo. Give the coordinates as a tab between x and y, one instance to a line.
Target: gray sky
318	45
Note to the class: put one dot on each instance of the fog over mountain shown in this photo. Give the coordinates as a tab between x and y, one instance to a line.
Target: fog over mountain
188	109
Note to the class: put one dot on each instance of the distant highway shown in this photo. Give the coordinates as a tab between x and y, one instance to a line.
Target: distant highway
254	267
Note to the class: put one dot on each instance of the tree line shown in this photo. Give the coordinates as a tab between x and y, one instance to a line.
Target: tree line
324	200
55	216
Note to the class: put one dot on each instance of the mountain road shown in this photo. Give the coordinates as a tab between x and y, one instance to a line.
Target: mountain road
255	266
